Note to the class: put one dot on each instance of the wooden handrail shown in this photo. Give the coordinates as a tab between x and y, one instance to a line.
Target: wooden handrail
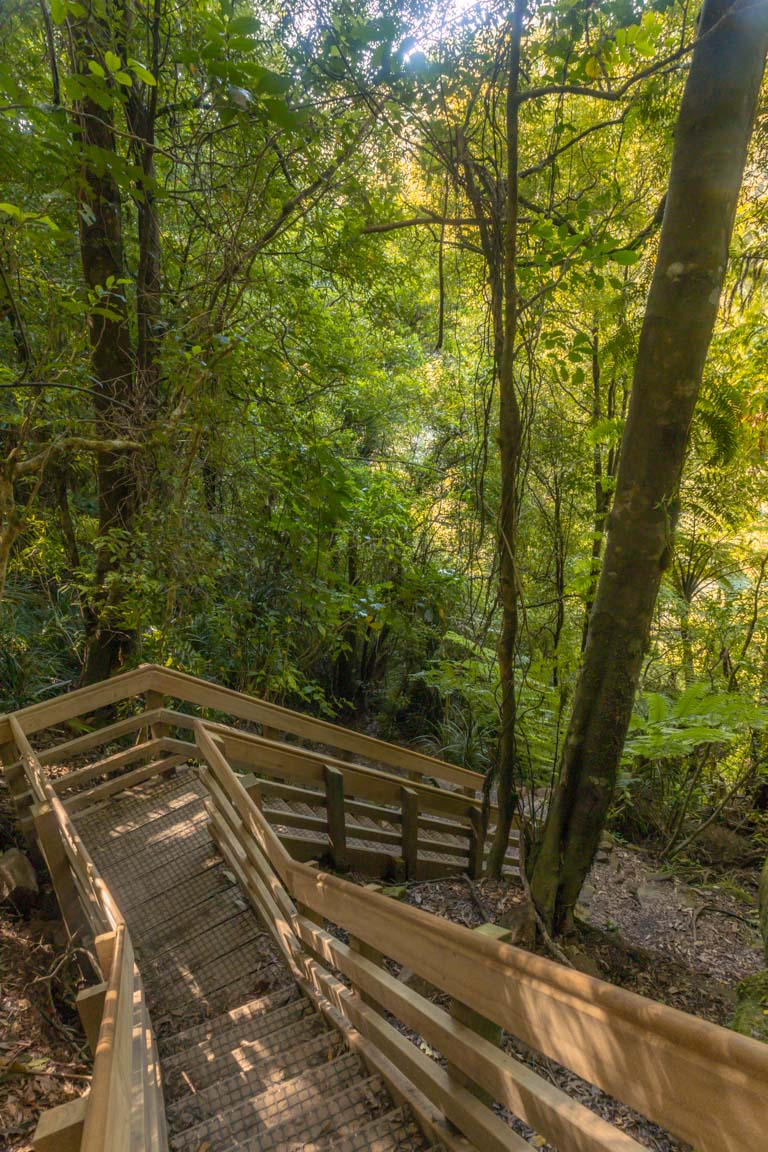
205	694
112	1101
703	1083
36	717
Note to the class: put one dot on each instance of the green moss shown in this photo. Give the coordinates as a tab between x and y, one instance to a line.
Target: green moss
751	1014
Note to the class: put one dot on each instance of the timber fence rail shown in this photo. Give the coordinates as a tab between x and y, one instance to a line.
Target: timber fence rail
426	823
702	1083
124	1110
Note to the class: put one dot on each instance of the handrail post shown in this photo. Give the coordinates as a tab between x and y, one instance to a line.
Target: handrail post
152	701
334	806
90	1007
105	950
476	844
60	1129
252	785
477	1022
72	912
409	800
18	786
368	953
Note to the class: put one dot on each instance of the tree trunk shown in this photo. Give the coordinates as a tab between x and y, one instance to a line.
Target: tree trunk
101	249
510	448
716	118
601	495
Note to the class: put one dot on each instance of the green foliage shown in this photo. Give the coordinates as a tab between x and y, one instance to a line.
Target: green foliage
317	488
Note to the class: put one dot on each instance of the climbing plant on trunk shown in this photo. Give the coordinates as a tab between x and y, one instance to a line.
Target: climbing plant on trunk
709	156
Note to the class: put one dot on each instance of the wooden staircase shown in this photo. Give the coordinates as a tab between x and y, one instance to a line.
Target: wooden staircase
242	1068
247	999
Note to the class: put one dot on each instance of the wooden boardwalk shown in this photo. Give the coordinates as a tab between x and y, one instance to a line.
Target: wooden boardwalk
247	996
247	1062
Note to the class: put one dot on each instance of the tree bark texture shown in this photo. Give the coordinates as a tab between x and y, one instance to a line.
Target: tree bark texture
713	131
101	249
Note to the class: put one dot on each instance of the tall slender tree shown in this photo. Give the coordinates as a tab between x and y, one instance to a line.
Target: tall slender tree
714	128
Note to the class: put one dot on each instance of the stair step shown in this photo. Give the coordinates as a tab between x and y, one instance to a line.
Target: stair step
216	986
235	1018
329	1076
271	1058
306	1111
238	1034
265	1074
393	1132
197	953
188	1013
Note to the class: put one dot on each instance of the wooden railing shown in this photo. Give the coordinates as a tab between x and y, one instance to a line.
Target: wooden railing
700	1082
160	682
124	1110
433	800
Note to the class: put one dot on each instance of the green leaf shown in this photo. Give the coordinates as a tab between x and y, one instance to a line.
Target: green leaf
143	73
124	79
625	256
96	68
112	62
658	707
244	25
58	11
12	210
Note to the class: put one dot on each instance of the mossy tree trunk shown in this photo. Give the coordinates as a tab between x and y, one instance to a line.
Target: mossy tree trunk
713	131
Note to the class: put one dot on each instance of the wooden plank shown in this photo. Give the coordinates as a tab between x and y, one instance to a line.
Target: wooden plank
252	818
305	848
78	703
249	844
476	845
410	831
315	798
120	783
60	1129
478	1123
334	806
563	1120
287	761
107	1120
103	767
155	702
477	1023
57	862
662	1062
278	924
62	752
208	695
90	1007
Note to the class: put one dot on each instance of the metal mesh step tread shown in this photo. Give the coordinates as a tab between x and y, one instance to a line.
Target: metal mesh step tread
266	1061
392	1132
263	1075
215	986
330	1076
308	1112
231	1034
236	1018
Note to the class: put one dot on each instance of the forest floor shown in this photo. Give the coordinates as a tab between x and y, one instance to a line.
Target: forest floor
43	1059
685	938
43	1056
